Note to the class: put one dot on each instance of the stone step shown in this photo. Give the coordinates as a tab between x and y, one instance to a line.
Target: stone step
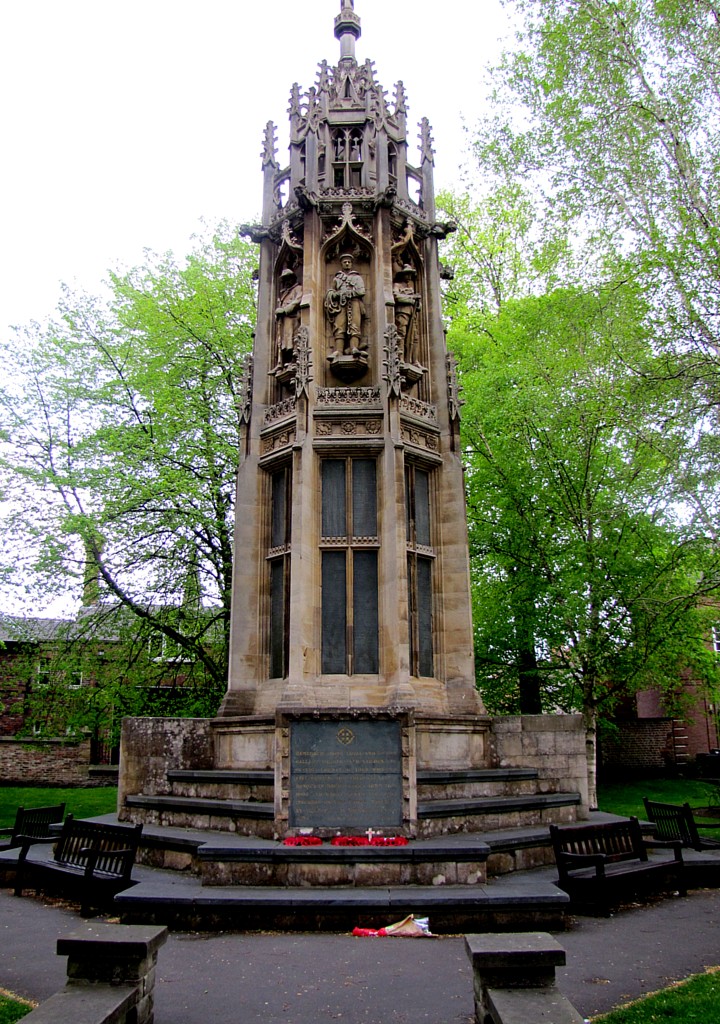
204	806
257	785
208	807
495	805
451	777
223	776
182	903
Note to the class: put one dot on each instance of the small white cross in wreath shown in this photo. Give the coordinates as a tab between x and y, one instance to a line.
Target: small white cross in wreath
370	833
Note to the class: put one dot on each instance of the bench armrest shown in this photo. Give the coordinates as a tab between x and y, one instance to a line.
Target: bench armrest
666	844
32	840
567	861
6	831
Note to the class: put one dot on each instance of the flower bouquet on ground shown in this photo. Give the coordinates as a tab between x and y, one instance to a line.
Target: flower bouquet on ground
410	927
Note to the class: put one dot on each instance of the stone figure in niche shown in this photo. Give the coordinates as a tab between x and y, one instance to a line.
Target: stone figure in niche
287	316
345	309
407	308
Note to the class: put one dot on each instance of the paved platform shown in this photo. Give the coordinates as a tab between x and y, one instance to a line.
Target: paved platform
311	978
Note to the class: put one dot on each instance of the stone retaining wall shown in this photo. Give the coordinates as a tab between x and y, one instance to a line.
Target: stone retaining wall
552	744
150	747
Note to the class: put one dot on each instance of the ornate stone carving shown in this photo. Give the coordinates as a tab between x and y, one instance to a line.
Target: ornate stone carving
407	311
348	428
416	407
455	402
400	100
408	207
269	152
287	318
345	311
391	362
346	223
280	439
426	141
348	193
294	108
349	396
280	411
323	83
419	438
303	360
291	237
246	388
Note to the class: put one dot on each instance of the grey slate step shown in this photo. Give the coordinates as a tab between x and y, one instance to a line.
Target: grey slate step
205	806
259	810
495	805
441	778
223	776
423	852
182	903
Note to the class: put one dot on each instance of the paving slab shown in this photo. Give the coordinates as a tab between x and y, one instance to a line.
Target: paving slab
299	978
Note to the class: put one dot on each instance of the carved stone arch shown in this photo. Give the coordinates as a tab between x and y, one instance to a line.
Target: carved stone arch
290	253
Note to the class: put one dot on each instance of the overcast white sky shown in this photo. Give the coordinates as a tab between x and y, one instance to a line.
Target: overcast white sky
124	123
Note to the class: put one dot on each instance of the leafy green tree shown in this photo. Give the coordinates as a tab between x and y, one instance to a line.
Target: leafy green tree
121	427
609	110
589	575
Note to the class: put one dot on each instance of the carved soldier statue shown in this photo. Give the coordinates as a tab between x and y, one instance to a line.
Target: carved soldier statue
287	316
345	309
407	307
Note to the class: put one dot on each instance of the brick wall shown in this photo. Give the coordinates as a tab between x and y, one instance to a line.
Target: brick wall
13	687
36	762
644	745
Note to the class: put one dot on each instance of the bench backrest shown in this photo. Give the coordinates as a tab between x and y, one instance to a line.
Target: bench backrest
35	822
617	840
114	845
673	821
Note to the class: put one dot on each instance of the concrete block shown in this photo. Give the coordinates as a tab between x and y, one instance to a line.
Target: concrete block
518	1006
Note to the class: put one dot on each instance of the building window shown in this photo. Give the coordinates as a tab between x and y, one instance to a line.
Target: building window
420	557
392	163
347	157
716	638
278	558
349	553
43	675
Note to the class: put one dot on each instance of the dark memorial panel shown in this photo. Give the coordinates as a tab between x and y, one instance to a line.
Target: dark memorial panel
345	774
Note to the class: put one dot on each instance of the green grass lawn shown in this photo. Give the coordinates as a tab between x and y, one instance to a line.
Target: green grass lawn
82	803
694	1001
627	797
12	1008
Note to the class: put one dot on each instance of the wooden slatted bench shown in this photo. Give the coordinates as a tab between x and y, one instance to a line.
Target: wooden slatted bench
676	821
602	864
92	861
31	823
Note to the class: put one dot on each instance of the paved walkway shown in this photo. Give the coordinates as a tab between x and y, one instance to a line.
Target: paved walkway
310	979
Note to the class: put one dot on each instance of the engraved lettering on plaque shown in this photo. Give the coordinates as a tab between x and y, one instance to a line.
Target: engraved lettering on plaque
345	774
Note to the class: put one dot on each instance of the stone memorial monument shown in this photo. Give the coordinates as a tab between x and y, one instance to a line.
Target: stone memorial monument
351	653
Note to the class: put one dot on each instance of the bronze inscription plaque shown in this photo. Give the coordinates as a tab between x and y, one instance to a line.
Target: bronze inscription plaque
345	774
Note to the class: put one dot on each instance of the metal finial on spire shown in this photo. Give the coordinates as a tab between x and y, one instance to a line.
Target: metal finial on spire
347	29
